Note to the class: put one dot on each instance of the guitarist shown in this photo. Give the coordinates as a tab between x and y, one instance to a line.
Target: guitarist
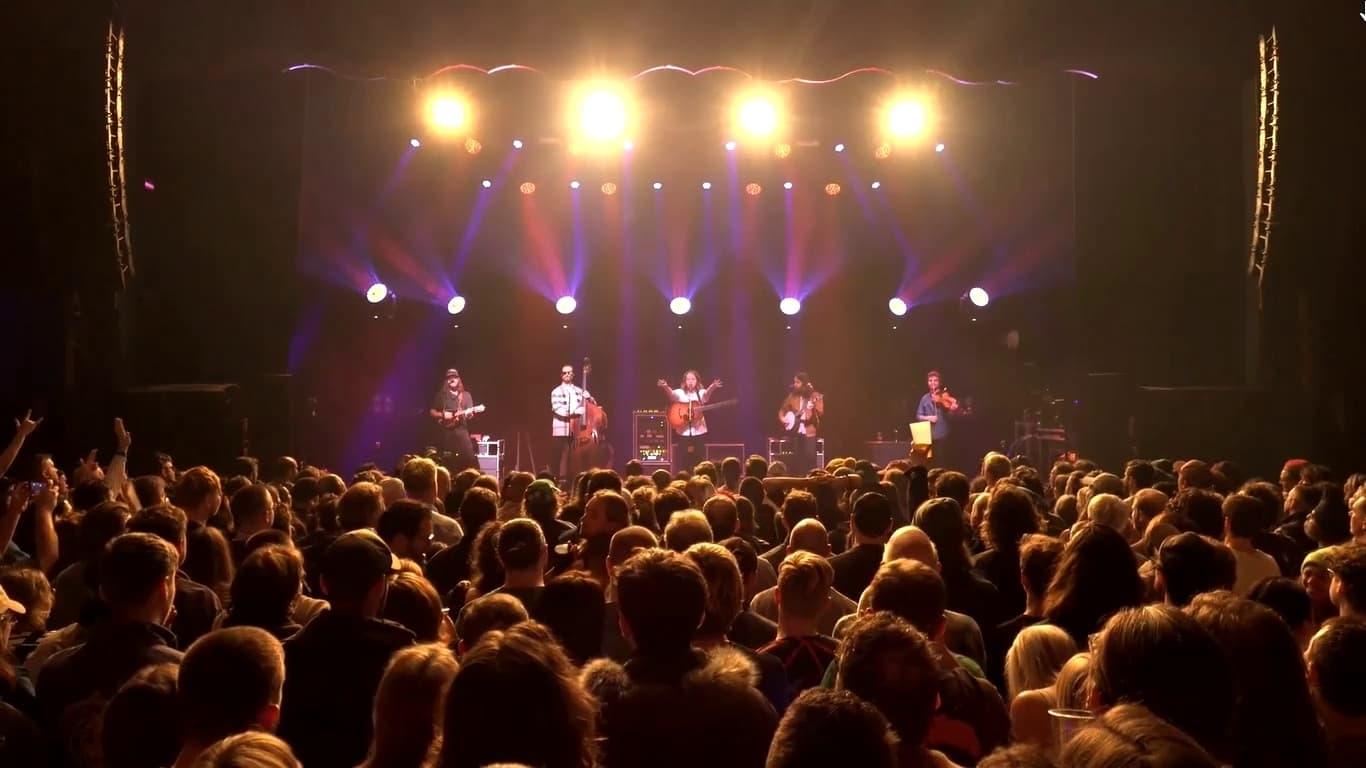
800	415
690	436
450	409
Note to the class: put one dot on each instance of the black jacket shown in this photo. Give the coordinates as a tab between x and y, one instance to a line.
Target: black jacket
196	608
854	569
332	669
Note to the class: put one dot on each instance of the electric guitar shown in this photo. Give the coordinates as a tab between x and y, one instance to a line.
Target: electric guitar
681	415
452	419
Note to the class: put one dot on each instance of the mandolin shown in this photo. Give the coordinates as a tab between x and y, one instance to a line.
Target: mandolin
450	419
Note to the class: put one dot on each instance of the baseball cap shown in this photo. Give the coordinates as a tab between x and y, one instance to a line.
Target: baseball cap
540	491
6	604
354	562
452	372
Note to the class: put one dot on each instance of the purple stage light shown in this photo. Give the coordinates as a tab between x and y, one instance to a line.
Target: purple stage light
516	143
376	293
787	185
456	305
680	305
414	143
897	305
979	297
566	305
790	306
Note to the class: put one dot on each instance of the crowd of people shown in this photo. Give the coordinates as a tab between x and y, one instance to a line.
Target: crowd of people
1177	613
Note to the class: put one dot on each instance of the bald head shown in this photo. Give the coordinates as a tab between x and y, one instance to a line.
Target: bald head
809	535
911	543
1107	483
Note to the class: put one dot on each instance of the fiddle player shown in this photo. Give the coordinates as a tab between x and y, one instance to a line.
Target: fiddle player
935	407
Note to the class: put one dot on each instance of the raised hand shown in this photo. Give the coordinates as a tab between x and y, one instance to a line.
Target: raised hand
122	437
662	383
26	425
715	384
89	468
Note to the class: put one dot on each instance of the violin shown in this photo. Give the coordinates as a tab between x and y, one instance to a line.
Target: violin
943	399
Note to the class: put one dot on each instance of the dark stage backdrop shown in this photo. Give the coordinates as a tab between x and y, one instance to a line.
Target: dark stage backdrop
994	209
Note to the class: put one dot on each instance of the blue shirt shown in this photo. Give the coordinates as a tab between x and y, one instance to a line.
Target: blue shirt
940	428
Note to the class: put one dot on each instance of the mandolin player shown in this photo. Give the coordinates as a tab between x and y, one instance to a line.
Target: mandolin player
691	392
452	409
935	407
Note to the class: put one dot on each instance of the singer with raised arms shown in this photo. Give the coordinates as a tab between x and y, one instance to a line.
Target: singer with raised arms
686	414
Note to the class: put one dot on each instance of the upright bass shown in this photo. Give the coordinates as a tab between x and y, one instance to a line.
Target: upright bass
590	430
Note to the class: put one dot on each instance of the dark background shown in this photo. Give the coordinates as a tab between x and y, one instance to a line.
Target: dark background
1147	283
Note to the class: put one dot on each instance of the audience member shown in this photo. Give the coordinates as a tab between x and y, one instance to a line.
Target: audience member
824	728
253	749
1243	521
230	682
1130	735
265	591
1190	563
572	607
196	606
406	526
1337	678
1095	577
969	592
803	591
871	525
142	723
409	707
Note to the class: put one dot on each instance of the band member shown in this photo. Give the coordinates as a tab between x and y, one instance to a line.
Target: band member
568	403
935	407
690	436
800	414
452	408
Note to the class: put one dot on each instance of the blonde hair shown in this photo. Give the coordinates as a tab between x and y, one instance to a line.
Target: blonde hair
804	580
1129	735
1072	688
699	488
1035	658
725	588
253	749
409	707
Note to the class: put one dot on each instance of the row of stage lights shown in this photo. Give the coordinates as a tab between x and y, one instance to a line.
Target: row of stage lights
601	117
378	293
610	187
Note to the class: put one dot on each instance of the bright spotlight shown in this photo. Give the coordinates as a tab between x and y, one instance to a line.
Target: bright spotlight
565	305
608	188
730	146
706	185
787	185
790	306
782	150
905	119
516	143
414	143
486	183
473	146
757	115
447	113
377	293
832	189
657	186
680	305
876	185
979	297
883	151
527	188
628	145
897	305
573	185
456	305
601	115
753	188
939	147
839	147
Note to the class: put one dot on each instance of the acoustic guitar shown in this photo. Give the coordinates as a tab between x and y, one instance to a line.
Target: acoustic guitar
680	415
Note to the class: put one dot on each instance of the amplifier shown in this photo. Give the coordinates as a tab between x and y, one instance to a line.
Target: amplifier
716	452
490	453
780	449
650	433
883	452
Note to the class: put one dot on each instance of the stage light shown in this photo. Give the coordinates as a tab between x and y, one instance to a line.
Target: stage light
608	188
565	305
905	119
706	185
680	305
757	115
628	145
787	185
753	188
883	151
790	306
456	305
473	146
832	189
601	115
573	185
730	146
782	150
486	183
939	147
376	293
839	147
897	305
516	143
979	297
447	113
657	186
876	185
527	188
414	143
